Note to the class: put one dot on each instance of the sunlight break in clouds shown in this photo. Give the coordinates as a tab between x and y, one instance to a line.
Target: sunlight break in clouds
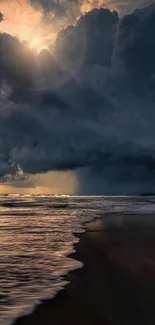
87	5
95	121
39	27
45	183
26	23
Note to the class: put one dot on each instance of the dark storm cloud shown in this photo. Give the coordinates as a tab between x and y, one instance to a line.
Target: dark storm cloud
135	45
83	113
90	41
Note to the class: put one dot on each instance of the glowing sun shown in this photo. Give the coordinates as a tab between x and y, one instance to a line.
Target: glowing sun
26	23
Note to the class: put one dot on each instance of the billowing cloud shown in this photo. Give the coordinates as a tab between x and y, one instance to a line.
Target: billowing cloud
79	109
135	46
39	21
92	38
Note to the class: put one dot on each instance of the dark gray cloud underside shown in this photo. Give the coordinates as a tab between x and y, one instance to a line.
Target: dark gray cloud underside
88	107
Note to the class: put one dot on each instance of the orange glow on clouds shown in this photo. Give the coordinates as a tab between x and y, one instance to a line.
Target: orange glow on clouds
88	5
48	183
25	22
29	23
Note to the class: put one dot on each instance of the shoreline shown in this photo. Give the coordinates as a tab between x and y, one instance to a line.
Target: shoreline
115	286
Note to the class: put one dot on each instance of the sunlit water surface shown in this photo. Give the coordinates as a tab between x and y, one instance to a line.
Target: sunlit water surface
36	235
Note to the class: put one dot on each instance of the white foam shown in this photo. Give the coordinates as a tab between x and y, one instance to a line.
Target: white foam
34	246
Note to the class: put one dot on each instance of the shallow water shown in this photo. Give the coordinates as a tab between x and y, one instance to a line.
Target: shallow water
36	235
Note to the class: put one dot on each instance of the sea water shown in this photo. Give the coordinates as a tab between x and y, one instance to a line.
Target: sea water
37	233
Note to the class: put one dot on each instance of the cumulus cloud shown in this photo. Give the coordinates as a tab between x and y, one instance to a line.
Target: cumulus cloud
90	41
135	45
78	109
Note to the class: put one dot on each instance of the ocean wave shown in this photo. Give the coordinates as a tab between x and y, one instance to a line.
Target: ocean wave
37	236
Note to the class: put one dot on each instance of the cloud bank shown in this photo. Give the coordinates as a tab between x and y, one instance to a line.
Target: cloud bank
88	107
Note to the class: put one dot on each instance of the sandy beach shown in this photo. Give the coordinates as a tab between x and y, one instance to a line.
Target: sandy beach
115	286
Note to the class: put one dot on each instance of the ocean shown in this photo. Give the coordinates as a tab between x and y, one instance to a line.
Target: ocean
37	233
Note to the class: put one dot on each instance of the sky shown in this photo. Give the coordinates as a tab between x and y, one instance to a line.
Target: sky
39	21
77	93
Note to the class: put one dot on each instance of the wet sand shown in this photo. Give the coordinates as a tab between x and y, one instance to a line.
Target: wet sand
115	286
